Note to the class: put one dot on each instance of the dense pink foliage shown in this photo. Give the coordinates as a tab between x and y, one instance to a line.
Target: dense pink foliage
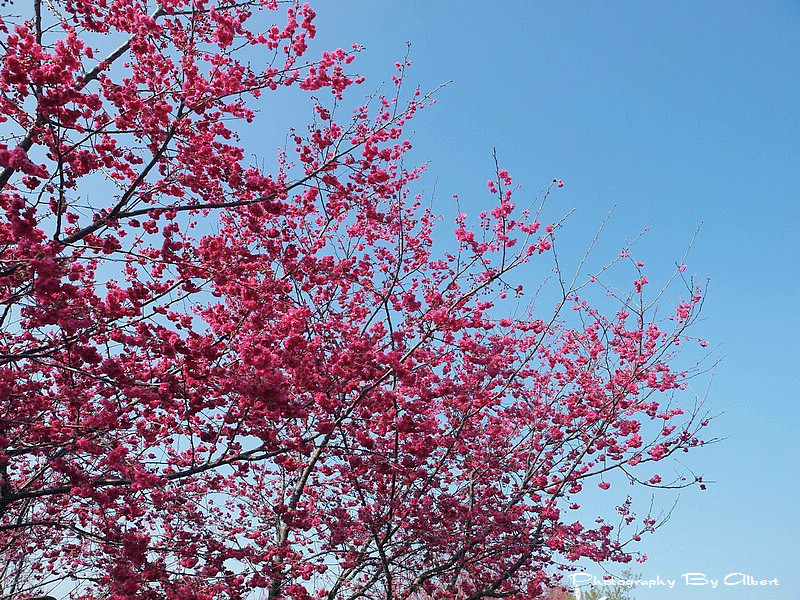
218	378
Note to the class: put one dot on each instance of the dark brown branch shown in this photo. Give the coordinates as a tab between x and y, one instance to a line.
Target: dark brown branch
37	20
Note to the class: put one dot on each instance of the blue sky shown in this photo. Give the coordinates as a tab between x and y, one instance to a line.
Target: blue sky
678	113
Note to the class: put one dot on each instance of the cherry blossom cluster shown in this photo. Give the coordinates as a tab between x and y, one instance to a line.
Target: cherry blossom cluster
221	378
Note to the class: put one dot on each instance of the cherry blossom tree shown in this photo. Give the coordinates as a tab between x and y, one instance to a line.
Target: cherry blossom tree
226	379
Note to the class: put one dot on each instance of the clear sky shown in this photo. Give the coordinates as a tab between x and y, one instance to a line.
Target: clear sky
677	112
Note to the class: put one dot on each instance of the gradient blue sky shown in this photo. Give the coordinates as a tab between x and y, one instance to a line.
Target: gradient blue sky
678	113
